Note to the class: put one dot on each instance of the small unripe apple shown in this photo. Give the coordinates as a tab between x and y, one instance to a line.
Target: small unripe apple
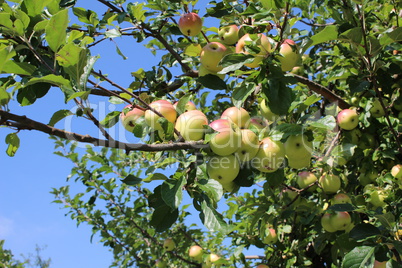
377	198
165	108
289	55
271	237
238	116
130	118
191	125
306	178
196	253
330	183
270	156
169	244
396	171
249	145
377	110
348	119
211	55
229	34
326	223
341	198
262	43
190	24
223	169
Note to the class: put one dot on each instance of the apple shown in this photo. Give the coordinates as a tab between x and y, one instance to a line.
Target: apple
211	259
326	223
289	55
160	264
341	198
202	71
229	34
169	244
165	108
228	138
348	119
306	178
262	266
190	24
249	146
223	169
211	55
378	264
196	253
262	43
189	106
191	125
340	220
353	136
271	237
377	198
130	118
238	116
298	147
270	156
266	112
299	163
396	171
330	183
377	110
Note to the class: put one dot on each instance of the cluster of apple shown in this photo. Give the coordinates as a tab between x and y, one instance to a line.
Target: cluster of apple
230	41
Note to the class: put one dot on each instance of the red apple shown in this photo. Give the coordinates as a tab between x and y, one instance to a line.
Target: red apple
227	140
190	24
130	118
238	116
289	55
348	119
165	108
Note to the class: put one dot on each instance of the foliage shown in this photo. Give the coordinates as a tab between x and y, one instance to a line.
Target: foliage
134	194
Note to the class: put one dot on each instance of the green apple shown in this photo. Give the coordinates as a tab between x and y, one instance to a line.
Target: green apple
261	41
196	252
161	264
326	223
289	55
227	138
169	244
348	119
270	236
306	178
377	198
189	106
191	125
165	108
190	24
211	55
377	110
341	198
223	169
238	116
396	171
353	136
229	34
266	112
340	220
299	163
130	118
212	259
202	71
270	156
249	146
298	147
330	183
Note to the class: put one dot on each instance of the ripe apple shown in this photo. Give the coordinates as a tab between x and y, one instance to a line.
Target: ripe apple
227	140
305	178
211	55
238	116
266	112
298	147
377	110
289	55
396	171
190	24
169	244
326	223
196	253
223	169
330	183
249	146
348	119
202	71
130	118
211	259
190	106
262	266
340	220
341	198
191	125
271	237
262	43
270	156
165	108
229	34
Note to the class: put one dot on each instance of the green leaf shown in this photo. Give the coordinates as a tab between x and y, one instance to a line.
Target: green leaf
56	80
394	36
155	176
181	105
172	192
35	7
111	119
212	188
59	115
56	30
4	97
87	72
21	68
73	59
137	11
81	94
132	180
112	33
279	95
28	95
353	35
241	92
163	218
234	61
359	257
212	219
387	219
13	144
212	81
364	231
328	123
